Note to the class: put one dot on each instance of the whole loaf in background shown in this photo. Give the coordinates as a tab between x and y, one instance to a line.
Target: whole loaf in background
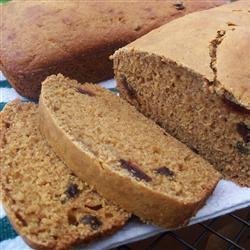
76	38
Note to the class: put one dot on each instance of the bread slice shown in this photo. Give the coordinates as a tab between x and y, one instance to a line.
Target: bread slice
127	157
76	38
195	83
47	204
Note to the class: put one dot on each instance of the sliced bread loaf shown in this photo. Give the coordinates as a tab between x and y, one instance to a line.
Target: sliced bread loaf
125	156
195	83
47	204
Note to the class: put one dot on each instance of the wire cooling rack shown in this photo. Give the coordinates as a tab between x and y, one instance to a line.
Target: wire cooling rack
229	232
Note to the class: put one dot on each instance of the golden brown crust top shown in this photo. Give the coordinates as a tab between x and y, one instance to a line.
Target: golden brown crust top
213	43
38	34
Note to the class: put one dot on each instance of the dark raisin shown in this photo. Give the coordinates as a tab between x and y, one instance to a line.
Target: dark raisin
91	220
137	28
194	149
21	219
72	174
85	91
164	171
179	5
72	191
7	124
134	170
165	133
94	207
72	220
231	24
243	148
244	131
130	91
233	107
135	218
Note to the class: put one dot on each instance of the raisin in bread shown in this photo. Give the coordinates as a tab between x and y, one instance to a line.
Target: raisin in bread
76	38
47	204
195	83
127	157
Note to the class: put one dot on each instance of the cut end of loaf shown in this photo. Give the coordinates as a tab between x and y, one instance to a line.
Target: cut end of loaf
182	102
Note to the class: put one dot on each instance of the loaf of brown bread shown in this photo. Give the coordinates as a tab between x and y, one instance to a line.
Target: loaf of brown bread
127	157
195	83
47	204
76	38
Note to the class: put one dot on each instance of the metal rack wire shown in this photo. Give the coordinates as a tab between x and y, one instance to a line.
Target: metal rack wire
205	230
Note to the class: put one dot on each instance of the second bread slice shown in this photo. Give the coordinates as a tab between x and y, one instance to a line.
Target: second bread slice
125	156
